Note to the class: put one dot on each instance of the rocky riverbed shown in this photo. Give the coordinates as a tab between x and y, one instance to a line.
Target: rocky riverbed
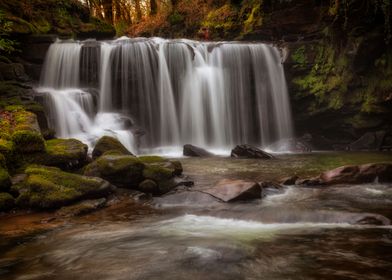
293	231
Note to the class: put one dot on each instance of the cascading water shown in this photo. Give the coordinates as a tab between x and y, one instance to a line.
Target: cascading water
210	94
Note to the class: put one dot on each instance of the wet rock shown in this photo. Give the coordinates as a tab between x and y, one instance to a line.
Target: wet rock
288	181
368	141
149	186
370	219
64	153
82	208
248	151
13	71
310	182
269	188
121	170
235	190
107	143
49	187
162	176
193	151
187	198
7	202
173	165
357	174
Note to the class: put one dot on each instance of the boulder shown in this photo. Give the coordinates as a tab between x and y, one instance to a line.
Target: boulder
108	143
235	190
248	151
49	187
174	165
193	151
7	202
149	186
288	181
82	208
26	142
357	174
368	141
162	176
64	153
5	180
121	170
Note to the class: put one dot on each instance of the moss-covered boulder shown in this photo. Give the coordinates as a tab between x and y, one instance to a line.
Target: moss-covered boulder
5	181
49	187
7	202
108	143
174	165
26	142
121	170
20	132
149	186
162	176
64	153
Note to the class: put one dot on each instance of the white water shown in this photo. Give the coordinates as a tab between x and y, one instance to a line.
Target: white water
214	95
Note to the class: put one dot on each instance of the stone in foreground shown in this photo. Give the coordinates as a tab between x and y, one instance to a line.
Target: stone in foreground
82	208
235	190
193	151
248	151
49	187
357	174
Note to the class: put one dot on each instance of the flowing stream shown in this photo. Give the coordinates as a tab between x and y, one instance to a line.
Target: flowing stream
296	233
174	92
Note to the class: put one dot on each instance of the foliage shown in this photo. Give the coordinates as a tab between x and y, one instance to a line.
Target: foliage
6	45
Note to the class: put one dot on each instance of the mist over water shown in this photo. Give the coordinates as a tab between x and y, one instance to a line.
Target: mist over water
210	94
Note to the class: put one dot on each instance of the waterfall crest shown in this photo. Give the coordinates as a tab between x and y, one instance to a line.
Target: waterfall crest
210	94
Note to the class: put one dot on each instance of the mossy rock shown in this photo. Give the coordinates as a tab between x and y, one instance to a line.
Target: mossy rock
7	202
121	170
149	186
108	143
162	176
64	153
6	148
173	165
5	181
49	187
26	141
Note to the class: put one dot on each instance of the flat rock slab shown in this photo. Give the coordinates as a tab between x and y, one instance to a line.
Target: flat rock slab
235	190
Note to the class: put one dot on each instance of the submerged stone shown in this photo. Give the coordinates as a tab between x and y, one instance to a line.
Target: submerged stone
49	187
82	208
357	174
235	190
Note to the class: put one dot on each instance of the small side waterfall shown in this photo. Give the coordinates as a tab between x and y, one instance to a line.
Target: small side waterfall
210	94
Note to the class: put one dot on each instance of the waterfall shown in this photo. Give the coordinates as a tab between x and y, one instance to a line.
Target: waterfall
210	94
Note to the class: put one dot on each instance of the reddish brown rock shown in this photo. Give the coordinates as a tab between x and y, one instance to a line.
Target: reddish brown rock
235	190
357	174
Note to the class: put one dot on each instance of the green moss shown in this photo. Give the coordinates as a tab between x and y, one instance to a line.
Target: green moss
7	202
6	148
26	141
152	159
108	143
157	173
299	56
5	181
120	170
49	187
